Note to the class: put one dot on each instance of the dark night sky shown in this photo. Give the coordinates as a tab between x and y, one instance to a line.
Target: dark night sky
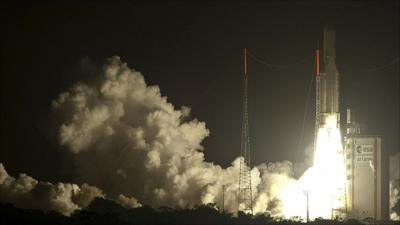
194	53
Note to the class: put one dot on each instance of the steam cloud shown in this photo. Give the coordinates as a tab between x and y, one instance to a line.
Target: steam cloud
128	202
129	139
26	192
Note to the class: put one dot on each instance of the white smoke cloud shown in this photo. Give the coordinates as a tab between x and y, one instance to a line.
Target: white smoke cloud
27	192
275	177
129	139
128	202
86	194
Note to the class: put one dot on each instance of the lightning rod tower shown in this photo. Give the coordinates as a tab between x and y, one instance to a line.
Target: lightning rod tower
245	198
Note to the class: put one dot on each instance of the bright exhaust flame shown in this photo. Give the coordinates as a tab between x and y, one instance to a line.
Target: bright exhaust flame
324	183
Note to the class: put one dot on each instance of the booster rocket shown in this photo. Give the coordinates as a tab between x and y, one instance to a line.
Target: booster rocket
327	82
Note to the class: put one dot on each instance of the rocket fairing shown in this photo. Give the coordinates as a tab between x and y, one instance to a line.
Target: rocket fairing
328	87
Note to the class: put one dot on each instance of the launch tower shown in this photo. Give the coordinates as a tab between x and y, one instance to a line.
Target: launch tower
245	198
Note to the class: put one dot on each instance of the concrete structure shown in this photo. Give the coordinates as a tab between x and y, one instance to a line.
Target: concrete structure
363	156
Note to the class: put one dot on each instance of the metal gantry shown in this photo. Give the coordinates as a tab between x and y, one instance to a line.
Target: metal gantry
245	198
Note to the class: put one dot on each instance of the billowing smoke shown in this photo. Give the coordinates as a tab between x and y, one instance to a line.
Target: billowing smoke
274	178
394	186
128	202
127	138
27	192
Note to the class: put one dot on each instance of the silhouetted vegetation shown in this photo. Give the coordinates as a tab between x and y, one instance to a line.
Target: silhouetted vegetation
102	211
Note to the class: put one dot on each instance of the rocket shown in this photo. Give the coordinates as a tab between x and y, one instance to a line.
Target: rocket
327	82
